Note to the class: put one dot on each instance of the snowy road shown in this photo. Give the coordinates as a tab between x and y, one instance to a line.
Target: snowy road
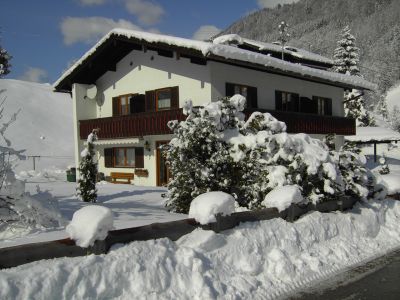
377	279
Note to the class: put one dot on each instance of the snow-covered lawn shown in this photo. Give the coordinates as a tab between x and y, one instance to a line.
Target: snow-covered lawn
257	260
131	206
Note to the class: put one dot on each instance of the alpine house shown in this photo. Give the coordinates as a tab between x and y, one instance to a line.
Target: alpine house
131	83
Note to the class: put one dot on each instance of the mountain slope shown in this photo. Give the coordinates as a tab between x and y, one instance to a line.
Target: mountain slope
316	24
44	125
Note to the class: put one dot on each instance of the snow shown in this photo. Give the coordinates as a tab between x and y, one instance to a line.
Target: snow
89	224
262	46
131	205
282	197
261	260
391	182
393	98
43	127
370	134
226	52
206	206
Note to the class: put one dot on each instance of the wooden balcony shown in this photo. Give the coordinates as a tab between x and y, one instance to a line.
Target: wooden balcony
155	123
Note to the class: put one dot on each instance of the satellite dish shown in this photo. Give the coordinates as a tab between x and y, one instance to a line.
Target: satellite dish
100	100
91	92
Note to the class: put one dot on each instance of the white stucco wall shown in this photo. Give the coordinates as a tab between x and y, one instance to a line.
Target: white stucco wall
139	72
267	84
83	109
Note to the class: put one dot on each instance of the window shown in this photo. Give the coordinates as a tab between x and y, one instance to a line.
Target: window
163	99
249	92
286	101
124	157
127	104
324	105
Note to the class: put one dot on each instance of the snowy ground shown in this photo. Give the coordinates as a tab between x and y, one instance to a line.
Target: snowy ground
131	205
258	260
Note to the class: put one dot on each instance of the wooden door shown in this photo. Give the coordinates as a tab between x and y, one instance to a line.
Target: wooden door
163	172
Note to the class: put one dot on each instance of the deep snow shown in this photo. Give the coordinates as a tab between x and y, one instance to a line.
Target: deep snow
258	260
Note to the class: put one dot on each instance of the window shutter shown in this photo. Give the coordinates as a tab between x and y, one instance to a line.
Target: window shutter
150	100
229	89
328	107
175	97
314	105
115	106
137	103
139	157
252	101
278	100
108	157
295	103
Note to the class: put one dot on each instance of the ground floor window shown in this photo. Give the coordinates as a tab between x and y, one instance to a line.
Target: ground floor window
124	157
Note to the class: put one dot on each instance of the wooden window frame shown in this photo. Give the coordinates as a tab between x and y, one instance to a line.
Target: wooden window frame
156	97
322	108
250	91
128	97
292	96
125	157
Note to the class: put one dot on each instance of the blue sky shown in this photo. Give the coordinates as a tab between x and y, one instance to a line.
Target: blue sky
46	36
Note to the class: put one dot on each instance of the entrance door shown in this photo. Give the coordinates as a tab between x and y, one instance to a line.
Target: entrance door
163	173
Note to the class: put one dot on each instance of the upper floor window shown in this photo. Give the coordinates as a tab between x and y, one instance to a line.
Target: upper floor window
324	105
163	99
128	104
286	101
249	92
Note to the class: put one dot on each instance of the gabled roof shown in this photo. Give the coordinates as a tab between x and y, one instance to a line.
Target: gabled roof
119	42
234	39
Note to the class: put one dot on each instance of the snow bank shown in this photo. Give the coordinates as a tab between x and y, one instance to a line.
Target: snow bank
391	182
261	260
282	197
89	224
205	206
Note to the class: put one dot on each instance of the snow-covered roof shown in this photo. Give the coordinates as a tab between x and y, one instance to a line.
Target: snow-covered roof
222	52
234	39
374	134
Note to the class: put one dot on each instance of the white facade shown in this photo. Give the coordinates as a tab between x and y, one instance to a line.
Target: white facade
141	71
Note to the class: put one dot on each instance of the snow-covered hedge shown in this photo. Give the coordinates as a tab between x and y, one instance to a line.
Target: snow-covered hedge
216	150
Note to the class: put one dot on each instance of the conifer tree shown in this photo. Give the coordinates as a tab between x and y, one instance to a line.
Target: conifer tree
384	165
4	62
346	61
88	171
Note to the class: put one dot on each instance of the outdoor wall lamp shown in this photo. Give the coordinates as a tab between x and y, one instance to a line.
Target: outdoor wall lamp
147	145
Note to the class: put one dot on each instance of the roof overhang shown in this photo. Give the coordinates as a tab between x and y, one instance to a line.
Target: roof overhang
114	46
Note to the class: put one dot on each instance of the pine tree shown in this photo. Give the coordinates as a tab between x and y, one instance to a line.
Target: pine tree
88	171
346	61
4	62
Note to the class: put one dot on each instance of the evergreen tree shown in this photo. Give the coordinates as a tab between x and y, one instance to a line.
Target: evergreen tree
4	62
88	171
346	61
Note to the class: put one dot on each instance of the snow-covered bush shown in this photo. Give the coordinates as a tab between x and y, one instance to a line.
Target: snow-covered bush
384	165
216	150
89	224
88	171
206	206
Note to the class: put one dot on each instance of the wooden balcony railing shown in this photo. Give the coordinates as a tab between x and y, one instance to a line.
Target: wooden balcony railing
155	123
